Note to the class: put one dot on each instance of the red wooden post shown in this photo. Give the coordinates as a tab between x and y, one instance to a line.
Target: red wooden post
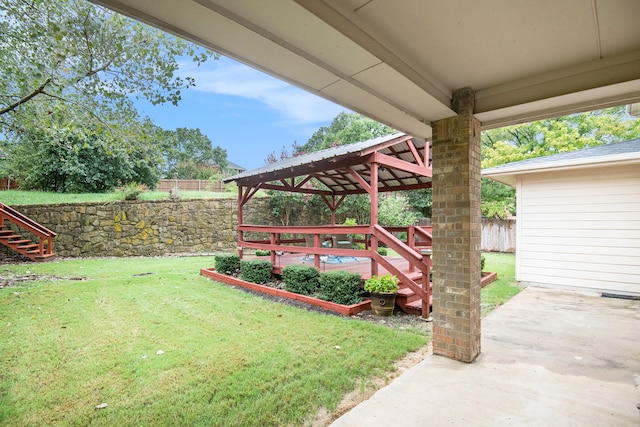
333	209
426	287
240	220
273	240
411	242
316	257
373	197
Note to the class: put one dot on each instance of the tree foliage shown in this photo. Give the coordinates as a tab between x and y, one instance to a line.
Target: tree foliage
79	161
189	154
91	63
346	128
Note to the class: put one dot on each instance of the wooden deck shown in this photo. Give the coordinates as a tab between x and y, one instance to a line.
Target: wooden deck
362	266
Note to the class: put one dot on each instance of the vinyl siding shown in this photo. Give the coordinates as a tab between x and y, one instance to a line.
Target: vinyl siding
580	228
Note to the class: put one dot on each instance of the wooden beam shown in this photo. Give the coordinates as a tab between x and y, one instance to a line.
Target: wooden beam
402	165
363	183
414	151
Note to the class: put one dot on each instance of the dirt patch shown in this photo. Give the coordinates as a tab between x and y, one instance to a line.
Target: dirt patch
9	279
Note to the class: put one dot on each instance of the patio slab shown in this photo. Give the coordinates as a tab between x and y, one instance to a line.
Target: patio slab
549	357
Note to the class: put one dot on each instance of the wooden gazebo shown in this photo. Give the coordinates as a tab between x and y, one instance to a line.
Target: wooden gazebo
391	163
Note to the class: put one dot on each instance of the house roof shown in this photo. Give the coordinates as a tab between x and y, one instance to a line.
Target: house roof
231	165
602	155
345	169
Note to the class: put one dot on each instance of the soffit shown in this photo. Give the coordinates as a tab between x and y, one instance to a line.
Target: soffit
398	62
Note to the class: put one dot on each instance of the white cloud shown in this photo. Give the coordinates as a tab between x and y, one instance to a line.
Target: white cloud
227	77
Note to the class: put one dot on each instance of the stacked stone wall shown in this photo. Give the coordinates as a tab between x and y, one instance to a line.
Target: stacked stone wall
145	228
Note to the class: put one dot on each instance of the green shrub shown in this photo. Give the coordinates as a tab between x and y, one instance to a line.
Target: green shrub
482	260
342	287
132	190
262	252
255	271
301	279
385	284
227	263
383	251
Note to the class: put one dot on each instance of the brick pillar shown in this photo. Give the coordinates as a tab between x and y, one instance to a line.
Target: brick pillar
456	232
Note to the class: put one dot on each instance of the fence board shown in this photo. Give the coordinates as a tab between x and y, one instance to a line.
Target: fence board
189	185
498	235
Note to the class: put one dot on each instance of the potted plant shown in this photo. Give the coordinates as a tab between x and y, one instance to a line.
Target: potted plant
383	290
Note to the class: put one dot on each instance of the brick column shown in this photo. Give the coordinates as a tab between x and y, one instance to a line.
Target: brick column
456	232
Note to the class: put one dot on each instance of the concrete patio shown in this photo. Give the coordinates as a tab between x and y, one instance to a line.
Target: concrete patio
549	357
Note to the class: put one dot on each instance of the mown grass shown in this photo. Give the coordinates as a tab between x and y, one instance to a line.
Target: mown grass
501	290
230	358
19	197
505	287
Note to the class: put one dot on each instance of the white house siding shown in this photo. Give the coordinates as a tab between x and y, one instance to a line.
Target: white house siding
580	228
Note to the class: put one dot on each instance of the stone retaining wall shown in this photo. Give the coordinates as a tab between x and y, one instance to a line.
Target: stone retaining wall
145	228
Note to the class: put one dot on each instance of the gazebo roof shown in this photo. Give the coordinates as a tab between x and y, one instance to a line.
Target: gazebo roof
404	162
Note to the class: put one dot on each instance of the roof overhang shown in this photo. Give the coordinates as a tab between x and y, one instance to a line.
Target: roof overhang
508	174
399	63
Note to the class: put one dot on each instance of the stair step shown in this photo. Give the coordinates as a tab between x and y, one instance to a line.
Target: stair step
11	236
27	247
3	232
415	307
19	242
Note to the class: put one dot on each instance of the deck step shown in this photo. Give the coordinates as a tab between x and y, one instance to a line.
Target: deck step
27	247
415	307
19	242
11	236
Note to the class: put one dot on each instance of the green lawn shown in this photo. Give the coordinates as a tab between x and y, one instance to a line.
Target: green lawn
18	197
505	287
230	358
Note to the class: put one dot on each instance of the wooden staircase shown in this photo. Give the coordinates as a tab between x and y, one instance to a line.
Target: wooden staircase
409	301
415	293
40	250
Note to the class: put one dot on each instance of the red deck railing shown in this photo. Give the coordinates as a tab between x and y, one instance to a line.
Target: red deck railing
291	239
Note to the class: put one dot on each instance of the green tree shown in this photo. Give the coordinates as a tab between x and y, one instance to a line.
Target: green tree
90	62
78	161
420	200
346	128
189	153
393	212
557	135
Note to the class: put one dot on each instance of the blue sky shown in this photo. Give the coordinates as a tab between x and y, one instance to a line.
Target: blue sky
246	112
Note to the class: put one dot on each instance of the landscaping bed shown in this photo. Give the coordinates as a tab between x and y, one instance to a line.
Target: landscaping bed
346	310
487	277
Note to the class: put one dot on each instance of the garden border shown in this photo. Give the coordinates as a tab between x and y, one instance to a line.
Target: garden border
346	310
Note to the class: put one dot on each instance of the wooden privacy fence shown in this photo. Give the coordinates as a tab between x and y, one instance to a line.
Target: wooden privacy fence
8	184
498	235
189	184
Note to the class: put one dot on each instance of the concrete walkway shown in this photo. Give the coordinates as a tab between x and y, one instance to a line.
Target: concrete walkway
548	358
